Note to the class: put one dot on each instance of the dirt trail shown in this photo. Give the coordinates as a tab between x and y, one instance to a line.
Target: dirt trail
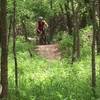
49	51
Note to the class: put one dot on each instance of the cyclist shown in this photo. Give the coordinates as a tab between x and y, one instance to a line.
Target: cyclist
41	28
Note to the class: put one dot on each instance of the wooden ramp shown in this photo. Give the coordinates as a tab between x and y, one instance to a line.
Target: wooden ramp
49	51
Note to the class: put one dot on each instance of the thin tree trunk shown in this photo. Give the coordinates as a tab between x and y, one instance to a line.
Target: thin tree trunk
74	33
98	41
51	4
78	45
0	28
10	27
25	35
4	50
99	11
61	7
0	23
98	33
14	46
69	20
77	34
24	30
93	48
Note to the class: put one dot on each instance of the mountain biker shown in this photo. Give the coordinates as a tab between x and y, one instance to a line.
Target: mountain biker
42	25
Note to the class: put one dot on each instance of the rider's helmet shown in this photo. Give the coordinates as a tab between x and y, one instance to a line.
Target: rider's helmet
40	18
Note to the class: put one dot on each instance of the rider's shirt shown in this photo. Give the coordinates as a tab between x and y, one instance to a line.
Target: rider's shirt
41	25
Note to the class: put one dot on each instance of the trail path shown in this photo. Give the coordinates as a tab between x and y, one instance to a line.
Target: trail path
49	51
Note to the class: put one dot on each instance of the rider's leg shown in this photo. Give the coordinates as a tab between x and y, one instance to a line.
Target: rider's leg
40	39
44	37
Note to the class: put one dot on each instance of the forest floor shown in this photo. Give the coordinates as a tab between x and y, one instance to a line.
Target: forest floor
50	51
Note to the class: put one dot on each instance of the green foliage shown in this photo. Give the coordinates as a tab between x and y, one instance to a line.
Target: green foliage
86	41
66	44
41	8
40	79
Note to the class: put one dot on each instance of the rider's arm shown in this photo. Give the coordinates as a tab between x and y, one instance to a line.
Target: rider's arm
46	24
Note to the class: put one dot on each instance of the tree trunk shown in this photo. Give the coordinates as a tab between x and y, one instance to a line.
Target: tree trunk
76	36
51	4
74	33
61	7
10	27
98	33
69	20
0	30
4	50
93	48
14	46
0	23
24	30
78	45
98	41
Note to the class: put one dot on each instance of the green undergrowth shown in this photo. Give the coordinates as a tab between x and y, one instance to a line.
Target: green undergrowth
66	42
41	79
